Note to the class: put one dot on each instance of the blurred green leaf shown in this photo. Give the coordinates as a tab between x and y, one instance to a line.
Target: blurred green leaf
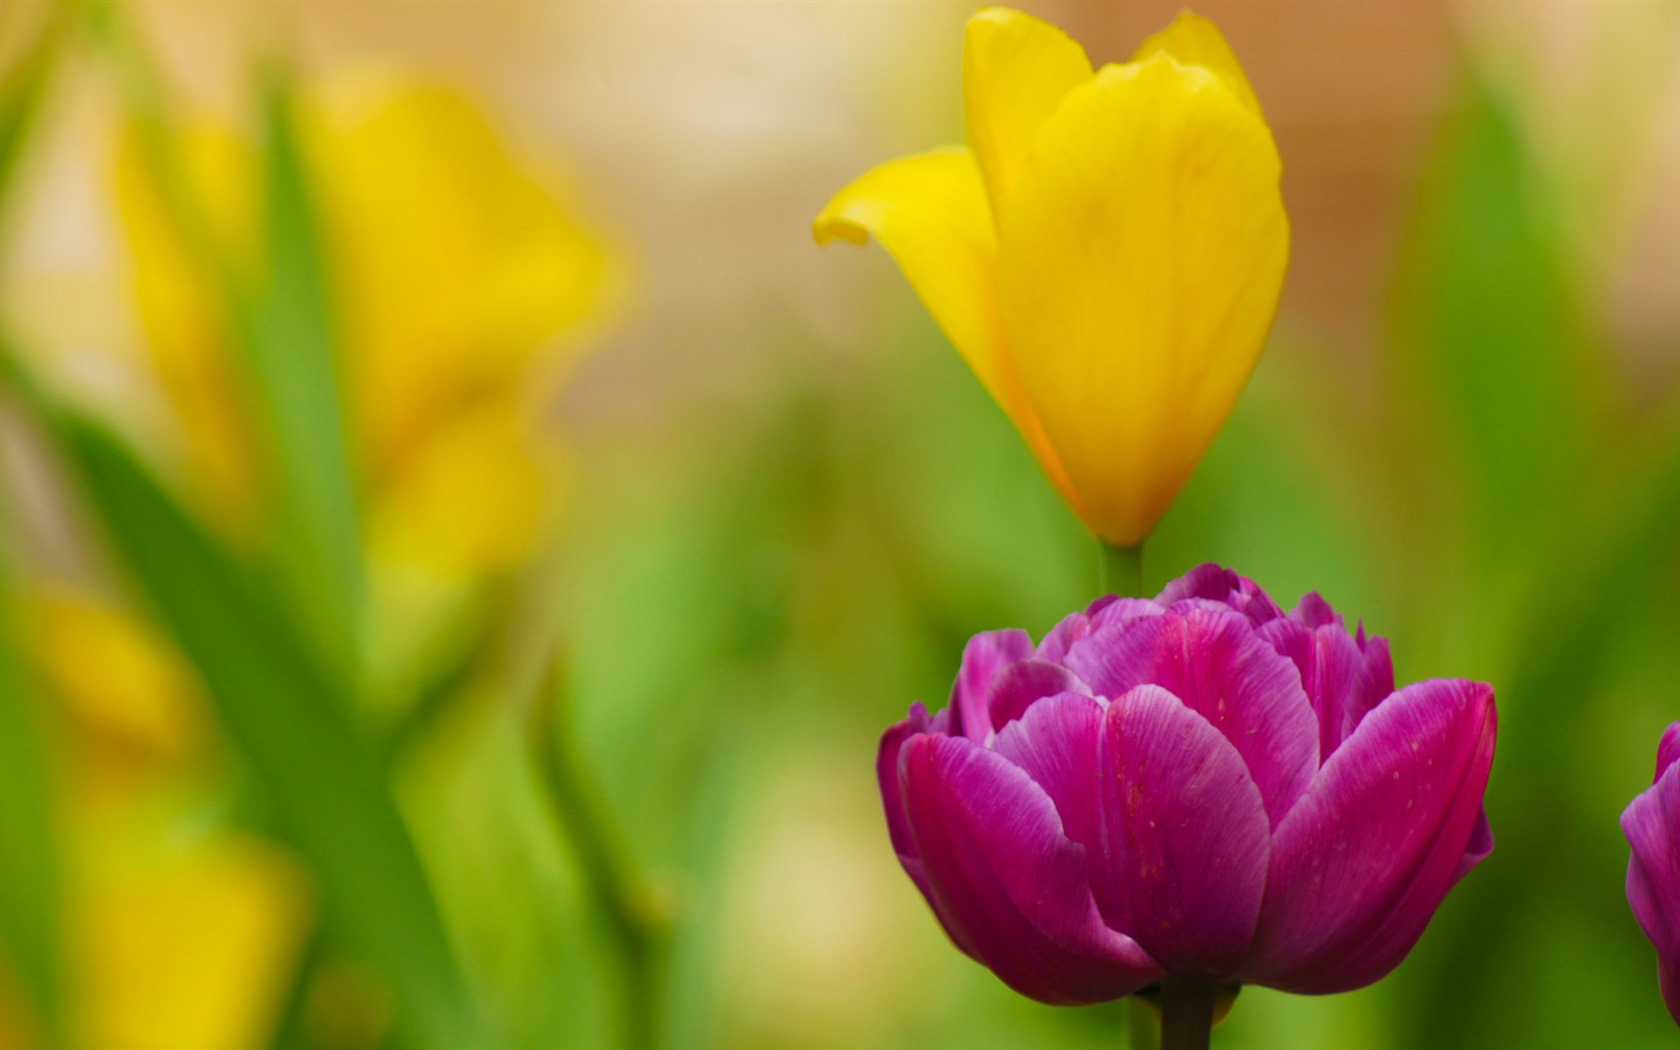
29	875
292	353
1488	331
22	89
289	718
29	854
281	334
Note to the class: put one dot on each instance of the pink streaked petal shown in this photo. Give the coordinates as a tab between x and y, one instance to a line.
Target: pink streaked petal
1362	862
985	655
886	773
1219	584
1055	743
1652	825
1105	610
1479	847
1009	886
1213	661
1314	612
1668	749
1334	672
1185	835
1017	686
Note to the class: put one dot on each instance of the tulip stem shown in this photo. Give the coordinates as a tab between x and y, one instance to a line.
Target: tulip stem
1143	1024
1120	569
622	899
1187	1003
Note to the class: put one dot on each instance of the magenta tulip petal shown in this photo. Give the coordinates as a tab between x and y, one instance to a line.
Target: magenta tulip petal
1216	584
1314	612
1102	612
985	655
1214	663
1340	683
1668	749
1185	834
1020	684
892	798
1361	863
1651	822
1010	887
1055	743
1479	849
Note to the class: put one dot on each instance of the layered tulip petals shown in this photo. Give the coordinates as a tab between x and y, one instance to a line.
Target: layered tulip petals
1019	686
1154	782
1151	183
1361	863
1341	681
1016	70
1215	665
1010	887
1185	835
1652	825
1194	41
984	656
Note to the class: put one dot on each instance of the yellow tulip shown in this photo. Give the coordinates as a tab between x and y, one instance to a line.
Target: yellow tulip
1106	252
455	272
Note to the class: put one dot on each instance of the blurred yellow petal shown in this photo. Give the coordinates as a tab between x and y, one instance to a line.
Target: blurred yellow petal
1195	41
456	265
117	677
472	499
186	947
1141	261
454	271
180	310
1016	70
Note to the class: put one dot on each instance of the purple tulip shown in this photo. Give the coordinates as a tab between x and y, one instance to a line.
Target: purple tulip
1197	785
1651	822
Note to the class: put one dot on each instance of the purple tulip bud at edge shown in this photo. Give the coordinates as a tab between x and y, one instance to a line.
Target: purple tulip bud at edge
1651	823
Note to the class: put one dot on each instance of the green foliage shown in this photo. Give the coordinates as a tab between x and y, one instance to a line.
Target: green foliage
290	719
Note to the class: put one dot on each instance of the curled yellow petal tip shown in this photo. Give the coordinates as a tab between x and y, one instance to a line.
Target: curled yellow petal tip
1107	254
834	227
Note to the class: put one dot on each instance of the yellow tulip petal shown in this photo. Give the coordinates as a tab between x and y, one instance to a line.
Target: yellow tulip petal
1195	41
929	211
1016	70
1141	261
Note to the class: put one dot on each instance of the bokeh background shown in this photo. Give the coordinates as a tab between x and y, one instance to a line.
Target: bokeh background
462	540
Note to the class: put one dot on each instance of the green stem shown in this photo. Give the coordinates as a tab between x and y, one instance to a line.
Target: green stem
1187	1003
620	896
1120	569
1143	1024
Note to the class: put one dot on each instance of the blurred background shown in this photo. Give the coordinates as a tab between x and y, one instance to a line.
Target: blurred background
462	541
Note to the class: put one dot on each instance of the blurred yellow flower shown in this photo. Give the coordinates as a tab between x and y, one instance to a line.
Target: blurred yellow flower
129	696
180	943
1106	252
178	931
452	268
